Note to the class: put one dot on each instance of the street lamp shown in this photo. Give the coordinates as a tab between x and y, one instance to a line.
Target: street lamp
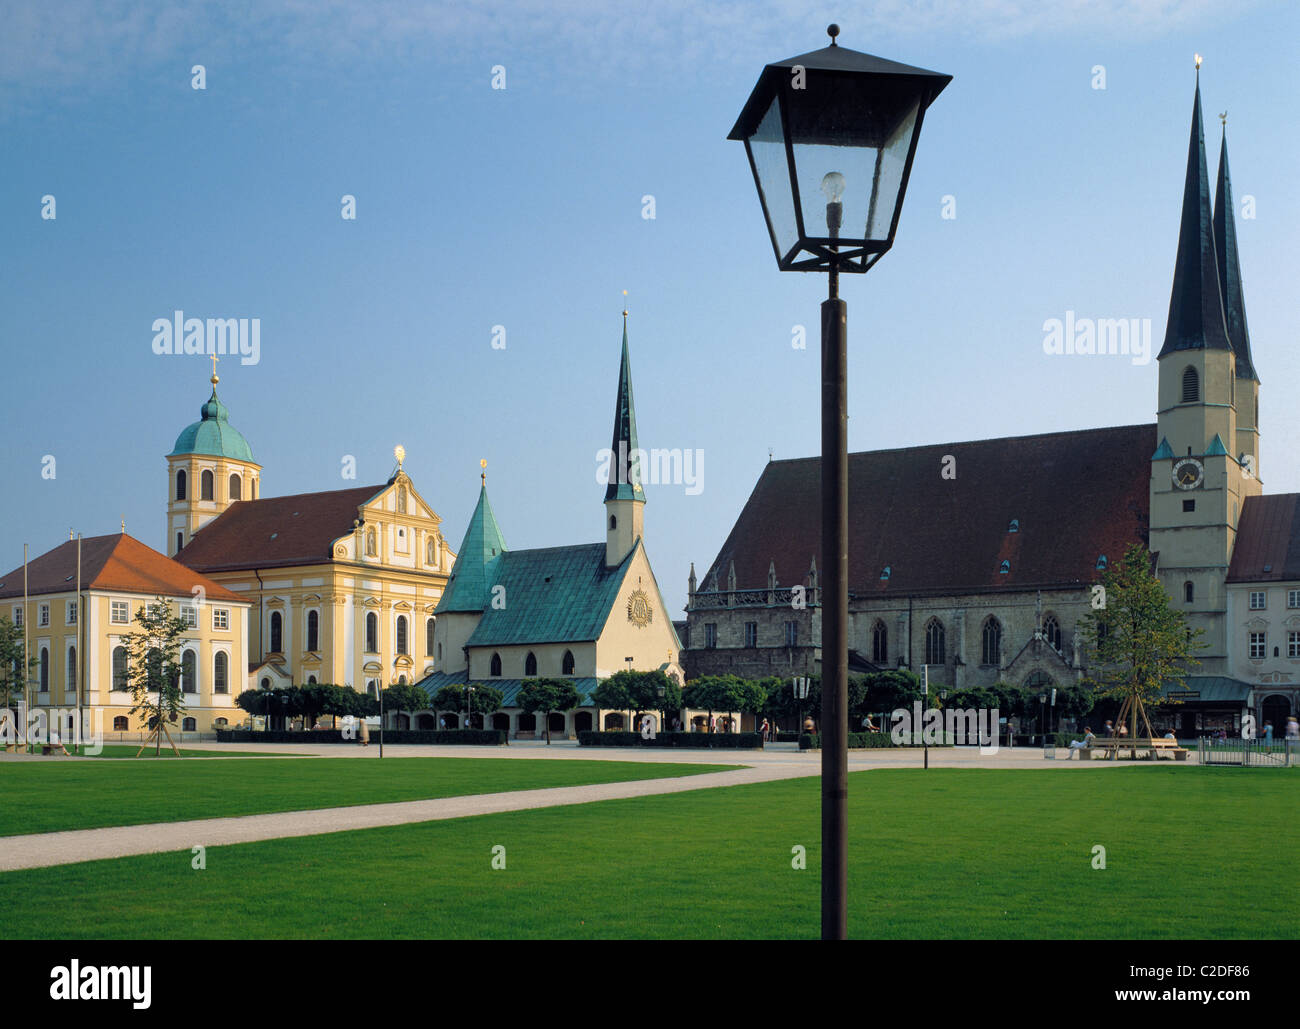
830	137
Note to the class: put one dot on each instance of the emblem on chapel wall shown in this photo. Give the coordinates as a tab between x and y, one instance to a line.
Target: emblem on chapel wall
638	608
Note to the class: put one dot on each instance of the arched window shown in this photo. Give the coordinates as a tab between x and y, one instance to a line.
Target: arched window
401	500
120	723
934	642
401	634
189	673
180	484
496	666
1052	632
401	680
1189	592
428	636
372	687
277	632
188	725
370	543
1191	386
613	522
311	680
1038	681
566	667
180	542
530	665
879	643
266	684
236	487
313	630
991	652
220	677
372	632
45	669
206	485
72	668
119	668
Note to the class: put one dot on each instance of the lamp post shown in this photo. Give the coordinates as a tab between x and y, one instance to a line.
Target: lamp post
840	125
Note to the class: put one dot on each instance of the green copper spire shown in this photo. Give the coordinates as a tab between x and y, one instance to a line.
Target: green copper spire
1225	239
213	434
624	473
1195	306
473	574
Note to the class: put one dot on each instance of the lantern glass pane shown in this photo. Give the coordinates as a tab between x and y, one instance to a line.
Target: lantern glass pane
767	147
871	164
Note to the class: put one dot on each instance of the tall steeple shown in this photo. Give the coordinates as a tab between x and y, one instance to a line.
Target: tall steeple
472	576
624	496
1225	240
1195	306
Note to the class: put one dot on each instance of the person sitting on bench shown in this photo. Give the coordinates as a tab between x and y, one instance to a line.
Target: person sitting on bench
1088	737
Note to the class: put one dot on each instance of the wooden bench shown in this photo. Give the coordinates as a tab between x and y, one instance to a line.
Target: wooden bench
1104	747
54	748
1167	746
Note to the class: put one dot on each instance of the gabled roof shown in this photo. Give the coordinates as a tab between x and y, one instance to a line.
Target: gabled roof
116	563
1225	240
1075	496
474	569
276	532
1268	540
552	595
435	681
1195	306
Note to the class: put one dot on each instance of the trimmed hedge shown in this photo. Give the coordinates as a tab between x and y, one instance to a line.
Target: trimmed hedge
696	740
862	741
479	737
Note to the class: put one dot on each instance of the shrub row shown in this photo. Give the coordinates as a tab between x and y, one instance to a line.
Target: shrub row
480	737
697	740
861	741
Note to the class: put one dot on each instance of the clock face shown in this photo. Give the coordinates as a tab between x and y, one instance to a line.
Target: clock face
1188	473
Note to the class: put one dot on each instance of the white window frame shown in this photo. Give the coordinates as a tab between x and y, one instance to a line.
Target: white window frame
230	671
70	616
190	616
1262	597
1293	598
1293	644
43	616
114	606
1260	640
221	619
18	616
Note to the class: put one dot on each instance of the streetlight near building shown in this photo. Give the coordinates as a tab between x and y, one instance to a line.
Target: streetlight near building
830	137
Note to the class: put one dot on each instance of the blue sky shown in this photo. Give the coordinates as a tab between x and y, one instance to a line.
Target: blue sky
523	208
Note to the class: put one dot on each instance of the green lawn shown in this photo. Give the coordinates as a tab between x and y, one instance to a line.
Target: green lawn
1190	853
121	750
56	795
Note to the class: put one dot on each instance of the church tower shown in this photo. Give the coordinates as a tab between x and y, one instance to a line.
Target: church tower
1204	465
210	467
624	496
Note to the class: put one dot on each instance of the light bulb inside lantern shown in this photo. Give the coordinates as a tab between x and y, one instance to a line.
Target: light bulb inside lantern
833	187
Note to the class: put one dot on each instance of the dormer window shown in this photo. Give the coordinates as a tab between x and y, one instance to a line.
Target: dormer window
1014	526
1004	568
886	573
1101	563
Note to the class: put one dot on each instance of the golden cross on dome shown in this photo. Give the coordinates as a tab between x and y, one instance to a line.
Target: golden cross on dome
215	380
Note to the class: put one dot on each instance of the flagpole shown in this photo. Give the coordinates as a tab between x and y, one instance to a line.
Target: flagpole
27	699
81	650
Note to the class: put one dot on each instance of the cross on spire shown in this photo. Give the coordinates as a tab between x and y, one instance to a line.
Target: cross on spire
215	380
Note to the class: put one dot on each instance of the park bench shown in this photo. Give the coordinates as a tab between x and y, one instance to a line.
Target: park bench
1104	747
1170	747
54	748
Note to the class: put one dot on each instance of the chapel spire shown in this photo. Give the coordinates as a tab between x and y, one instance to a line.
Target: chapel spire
1196	319
1225	240
625	474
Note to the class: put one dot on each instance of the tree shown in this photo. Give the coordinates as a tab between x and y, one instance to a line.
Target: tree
547	695
715	693
613	693
1138	640
643	692
13	683
402	697
154	667
484	700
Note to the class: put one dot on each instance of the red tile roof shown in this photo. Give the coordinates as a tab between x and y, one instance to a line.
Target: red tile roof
119	563
1268	540
1076	495
276	532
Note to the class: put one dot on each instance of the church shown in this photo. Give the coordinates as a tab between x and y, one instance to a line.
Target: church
985	576
578	612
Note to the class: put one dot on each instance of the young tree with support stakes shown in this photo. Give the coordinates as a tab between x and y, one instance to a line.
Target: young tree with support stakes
154	670
1139	642
547	695
12	681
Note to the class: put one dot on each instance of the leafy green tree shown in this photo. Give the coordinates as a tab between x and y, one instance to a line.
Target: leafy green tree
405	699
614	693
547	695
154	667
719	693
1139	641
484	700
643	691
12	681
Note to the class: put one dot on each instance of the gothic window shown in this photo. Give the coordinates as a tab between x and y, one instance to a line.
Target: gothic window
496	666
1189	592
792	634
567	667
710	635
206	485
991	652
189	673
220	665
236	487
370	543
277	632
313	630
1052	632
934	642
530	665
372	632
401	634
428	637
879	643
613	522
751	634
180	484
119	668
1191	386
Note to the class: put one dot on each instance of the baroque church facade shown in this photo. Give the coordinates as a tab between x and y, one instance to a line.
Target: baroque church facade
987	575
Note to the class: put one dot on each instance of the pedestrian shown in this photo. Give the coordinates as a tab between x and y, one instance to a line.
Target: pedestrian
1268	732
765	729
364	735
1292	728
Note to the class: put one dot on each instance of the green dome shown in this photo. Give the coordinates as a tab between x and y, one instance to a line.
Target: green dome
214	435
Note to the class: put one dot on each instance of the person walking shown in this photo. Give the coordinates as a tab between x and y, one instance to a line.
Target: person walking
364	734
